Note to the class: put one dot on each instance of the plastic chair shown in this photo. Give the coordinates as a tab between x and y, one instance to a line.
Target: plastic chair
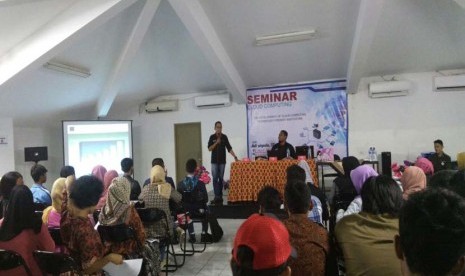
10	259
55	263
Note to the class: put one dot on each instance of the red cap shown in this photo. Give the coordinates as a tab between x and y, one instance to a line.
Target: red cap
267	237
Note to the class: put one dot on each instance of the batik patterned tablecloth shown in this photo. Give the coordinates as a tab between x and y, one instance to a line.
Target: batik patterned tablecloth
248	178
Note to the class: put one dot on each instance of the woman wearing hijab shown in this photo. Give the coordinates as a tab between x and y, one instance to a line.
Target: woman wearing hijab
52	214
461	161
118	210
158	194
358	177
425	165
315	192
22	231
413	180
99	172
344	190
109	176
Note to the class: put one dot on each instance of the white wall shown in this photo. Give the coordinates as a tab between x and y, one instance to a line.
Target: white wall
38	137
7	159
408	125
153	135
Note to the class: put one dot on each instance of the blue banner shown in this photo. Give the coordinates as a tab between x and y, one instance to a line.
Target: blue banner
313	114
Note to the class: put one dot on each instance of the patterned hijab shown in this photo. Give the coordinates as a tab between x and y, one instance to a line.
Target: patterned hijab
99	172
413	180
425	165
117	205
308	175
157	177
360	174
109	175
59	186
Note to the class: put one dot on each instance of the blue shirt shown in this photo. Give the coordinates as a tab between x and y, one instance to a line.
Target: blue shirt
40	194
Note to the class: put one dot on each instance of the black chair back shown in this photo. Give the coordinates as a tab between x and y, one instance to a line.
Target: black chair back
55	263
116	233
150	215
56	236
10	259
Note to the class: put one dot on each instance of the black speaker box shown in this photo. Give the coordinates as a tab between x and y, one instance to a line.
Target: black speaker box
35	154
386	163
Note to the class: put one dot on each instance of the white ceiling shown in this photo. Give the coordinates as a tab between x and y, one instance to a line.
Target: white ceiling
205	45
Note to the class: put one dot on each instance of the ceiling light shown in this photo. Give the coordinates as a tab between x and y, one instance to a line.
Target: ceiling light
73	70
285	37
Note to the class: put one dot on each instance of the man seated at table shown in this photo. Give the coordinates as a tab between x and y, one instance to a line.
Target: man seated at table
282	149
440	160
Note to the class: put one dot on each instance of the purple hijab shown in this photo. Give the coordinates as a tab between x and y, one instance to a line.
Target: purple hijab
99	172
360	174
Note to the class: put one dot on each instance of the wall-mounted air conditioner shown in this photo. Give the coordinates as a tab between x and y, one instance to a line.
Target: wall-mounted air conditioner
449	83
158	106
389	89
212	101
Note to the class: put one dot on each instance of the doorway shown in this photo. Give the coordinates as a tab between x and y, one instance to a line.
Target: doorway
188	144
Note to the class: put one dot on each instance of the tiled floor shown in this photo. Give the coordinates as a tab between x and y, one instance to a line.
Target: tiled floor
215	259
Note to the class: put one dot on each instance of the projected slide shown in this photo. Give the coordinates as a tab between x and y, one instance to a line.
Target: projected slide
91	143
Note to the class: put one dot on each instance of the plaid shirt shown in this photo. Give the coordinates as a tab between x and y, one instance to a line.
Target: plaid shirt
316	213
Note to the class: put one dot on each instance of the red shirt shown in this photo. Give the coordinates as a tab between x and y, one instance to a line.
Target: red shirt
25	243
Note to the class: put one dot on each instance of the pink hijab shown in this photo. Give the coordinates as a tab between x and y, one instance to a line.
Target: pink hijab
99	172
425	165
413	180
109	176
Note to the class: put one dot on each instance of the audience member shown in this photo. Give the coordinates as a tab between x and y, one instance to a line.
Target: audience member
22	231
52	214
358	176
344	190
158	195
440	160
461	161
7	183
367	238
127	166
269	203
218	143
282	149
457	183
99	172
194	198
118	210
39	192
109	176
425	165
315	191
81	239
431	238
308	238
159	161
441	179
261	247
413	180
67	171
317	213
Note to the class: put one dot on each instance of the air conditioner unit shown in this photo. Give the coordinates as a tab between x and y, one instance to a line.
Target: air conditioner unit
449	83
212	101
158	106
388	89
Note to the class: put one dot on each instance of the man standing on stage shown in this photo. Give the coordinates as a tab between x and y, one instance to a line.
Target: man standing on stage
217	144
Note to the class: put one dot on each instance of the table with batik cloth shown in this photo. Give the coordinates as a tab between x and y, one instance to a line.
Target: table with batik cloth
248	178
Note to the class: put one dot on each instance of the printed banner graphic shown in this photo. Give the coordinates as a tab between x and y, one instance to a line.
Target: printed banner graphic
313	114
